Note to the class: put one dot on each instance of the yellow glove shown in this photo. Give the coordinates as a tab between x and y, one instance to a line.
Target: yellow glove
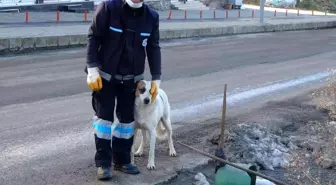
155	85
94	80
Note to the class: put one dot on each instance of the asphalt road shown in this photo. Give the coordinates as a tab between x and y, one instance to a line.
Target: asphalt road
45	133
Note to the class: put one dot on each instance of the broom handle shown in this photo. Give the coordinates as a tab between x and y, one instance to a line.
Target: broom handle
221	141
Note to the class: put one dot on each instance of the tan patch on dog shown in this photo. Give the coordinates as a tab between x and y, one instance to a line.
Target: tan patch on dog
141	88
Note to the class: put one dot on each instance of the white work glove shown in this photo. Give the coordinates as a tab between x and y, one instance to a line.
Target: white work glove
94	79
155	86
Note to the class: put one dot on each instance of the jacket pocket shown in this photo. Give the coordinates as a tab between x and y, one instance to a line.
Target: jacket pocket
144	39
115	33
114	46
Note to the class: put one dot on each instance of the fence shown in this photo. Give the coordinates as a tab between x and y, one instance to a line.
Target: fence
11	3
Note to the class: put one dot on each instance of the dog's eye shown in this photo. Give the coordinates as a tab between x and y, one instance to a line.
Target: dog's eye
143	90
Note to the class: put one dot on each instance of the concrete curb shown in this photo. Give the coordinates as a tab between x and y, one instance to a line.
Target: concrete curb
29	44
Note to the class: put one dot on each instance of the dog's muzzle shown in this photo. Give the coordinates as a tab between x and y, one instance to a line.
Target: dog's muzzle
146	101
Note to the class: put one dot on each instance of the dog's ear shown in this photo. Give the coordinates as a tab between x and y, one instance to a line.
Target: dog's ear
141	88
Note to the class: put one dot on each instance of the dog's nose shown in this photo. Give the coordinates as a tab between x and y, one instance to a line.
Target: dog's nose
146	100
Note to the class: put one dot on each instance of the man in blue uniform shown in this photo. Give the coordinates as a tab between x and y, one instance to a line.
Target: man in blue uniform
120	36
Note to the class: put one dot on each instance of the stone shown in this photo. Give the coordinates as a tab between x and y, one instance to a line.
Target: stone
51	41
45	42
277	161
217	31
82	39
205	32
64	40
40	42
159	5
74	40
216	4
254	144
183	33
15	44
261	181
28	43
169	34
163	34
268	28
230	30
276	153
177	34
197	32
200	179
4	44
327	163
284	163
190	33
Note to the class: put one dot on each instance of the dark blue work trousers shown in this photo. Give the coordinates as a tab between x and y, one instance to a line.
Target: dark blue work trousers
103	103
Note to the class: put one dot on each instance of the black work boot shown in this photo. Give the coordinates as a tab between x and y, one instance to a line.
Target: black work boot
127	168
104	173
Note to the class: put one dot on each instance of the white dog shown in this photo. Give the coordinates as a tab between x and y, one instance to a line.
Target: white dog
152	116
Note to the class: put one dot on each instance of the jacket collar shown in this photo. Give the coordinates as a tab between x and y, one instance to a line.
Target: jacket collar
133	12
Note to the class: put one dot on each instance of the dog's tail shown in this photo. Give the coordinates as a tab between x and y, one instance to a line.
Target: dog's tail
161	132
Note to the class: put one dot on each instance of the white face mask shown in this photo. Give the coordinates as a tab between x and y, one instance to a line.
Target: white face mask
134	5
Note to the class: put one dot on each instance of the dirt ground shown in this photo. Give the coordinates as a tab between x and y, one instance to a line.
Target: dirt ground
281	118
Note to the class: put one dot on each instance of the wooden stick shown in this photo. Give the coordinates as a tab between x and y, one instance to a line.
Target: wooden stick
221	141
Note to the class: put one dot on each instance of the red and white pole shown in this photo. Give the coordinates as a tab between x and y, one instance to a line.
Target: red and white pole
57	16
27	16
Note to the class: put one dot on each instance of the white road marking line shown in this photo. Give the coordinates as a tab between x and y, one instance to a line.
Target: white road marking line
209	106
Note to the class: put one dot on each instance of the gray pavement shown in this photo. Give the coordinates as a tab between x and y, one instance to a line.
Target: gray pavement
177	15
23	39
45	134
75	29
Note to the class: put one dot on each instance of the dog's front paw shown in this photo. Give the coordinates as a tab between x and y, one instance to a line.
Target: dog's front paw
172	153
150	166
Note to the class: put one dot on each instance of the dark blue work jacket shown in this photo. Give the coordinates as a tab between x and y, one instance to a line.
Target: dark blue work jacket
119	39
